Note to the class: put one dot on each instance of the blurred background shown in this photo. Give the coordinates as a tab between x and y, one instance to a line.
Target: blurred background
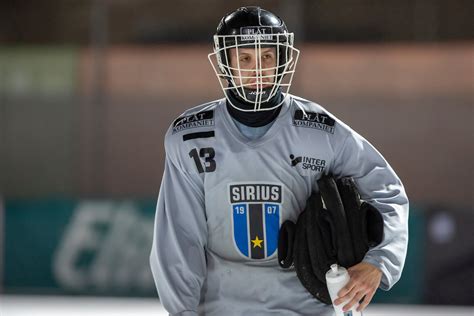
89	87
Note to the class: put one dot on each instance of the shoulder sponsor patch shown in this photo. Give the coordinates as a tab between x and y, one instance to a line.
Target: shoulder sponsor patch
315	120
200	119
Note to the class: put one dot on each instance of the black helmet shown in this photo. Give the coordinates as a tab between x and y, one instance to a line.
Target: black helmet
254	28
246	20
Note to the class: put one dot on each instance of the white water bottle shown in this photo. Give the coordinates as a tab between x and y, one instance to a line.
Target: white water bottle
336	278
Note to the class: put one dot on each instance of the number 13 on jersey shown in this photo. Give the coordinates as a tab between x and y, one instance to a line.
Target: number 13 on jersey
208	154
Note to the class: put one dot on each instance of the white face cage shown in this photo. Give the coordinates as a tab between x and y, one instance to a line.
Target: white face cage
255	85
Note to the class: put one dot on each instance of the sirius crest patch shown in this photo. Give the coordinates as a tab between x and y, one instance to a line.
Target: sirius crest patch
256	215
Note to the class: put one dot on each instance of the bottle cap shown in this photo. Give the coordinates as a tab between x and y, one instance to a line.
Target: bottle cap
336	274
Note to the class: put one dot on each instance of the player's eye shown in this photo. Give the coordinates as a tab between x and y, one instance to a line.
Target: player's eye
267	57
244	59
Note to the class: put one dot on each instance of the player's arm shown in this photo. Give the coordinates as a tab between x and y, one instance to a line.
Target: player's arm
380	186
177	257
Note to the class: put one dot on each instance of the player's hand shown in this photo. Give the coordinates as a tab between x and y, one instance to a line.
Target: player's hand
364	282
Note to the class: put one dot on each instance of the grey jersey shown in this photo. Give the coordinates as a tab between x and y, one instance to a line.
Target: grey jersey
223	198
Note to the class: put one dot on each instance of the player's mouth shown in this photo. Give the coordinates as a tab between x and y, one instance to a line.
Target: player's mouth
261	85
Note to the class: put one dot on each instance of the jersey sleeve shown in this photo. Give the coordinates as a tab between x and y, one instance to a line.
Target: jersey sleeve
177	259
380	186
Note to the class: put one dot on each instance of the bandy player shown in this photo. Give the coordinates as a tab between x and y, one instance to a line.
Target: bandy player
238	167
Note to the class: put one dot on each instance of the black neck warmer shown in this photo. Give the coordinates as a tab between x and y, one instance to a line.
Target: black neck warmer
253	119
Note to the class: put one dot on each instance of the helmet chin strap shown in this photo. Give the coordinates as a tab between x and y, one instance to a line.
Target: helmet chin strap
253	119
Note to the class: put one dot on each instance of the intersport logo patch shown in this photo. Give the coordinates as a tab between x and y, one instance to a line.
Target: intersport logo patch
308	163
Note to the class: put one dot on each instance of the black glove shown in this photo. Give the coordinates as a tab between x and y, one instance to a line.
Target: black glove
342	231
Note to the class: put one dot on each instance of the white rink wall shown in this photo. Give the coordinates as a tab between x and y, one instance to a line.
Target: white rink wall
13	305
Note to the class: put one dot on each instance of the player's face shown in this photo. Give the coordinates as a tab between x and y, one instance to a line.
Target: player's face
257	66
